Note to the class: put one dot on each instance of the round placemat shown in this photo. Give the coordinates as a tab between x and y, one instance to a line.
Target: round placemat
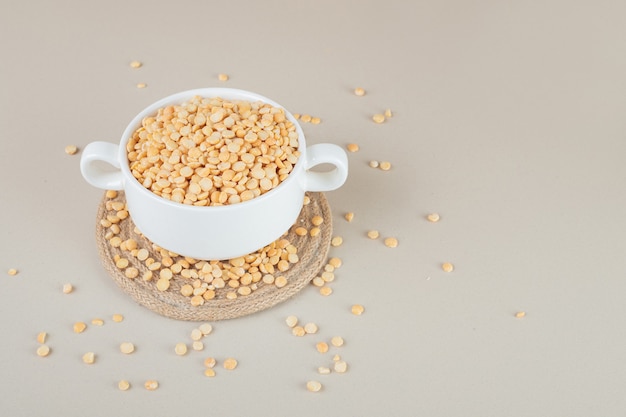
126	264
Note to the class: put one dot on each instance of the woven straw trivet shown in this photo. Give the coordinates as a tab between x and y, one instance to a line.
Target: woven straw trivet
312	253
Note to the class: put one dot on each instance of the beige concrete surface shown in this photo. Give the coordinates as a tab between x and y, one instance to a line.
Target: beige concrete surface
508	120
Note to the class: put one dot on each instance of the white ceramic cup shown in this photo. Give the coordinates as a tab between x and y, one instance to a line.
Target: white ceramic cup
214	232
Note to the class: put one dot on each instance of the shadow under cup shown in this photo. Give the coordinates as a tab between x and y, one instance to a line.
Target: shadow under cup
215	232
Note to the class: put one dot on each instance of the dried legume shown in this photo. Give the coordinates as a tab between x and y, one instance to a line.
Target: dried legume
151	385
43	351
310	328
230	364
79	327
313	386
337	341
89	358
373	234
447	267
180	349
391	242
433	217
340	366
127	347
291	321
322	347
357	309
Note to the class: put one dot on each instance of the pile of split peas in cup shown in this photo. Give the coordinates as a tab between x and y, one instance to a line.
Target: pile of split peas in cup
210	151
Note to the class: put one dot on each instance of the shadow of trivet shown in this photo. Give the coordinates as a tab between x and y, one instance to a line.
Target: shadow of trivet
124	252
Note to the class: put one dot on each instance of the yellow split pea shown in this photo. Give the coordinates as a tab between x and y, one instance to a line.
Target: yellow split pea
447	267
43	351
230	363
391	242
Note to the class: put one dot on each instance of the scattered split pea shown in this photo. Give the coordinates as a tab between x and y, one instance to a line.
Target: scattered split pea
310	328
373	164
378	118
352	147
67	288
433	217
180	349
336	241
359	91
205	328
291	321
373	234
322	347
326	291
230	363
89	358
349	216
313	386
337	341
41	337
43	351
520	314
151	385
335	262
196	334
298	331
340	366
127	347
323	370
223	77
135	64
210	372
447	267
391	242
123	385
142	85
97	322
12	271
210	362
357	309
385	165
71	149
79	327
117	318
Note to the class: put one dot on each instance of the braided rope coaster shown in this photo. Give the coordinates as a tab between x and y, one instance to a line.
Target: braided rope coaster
312	252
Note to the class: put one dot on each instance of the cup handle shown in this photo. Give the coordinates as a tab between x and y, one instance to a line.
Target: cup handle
325	153
97	175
